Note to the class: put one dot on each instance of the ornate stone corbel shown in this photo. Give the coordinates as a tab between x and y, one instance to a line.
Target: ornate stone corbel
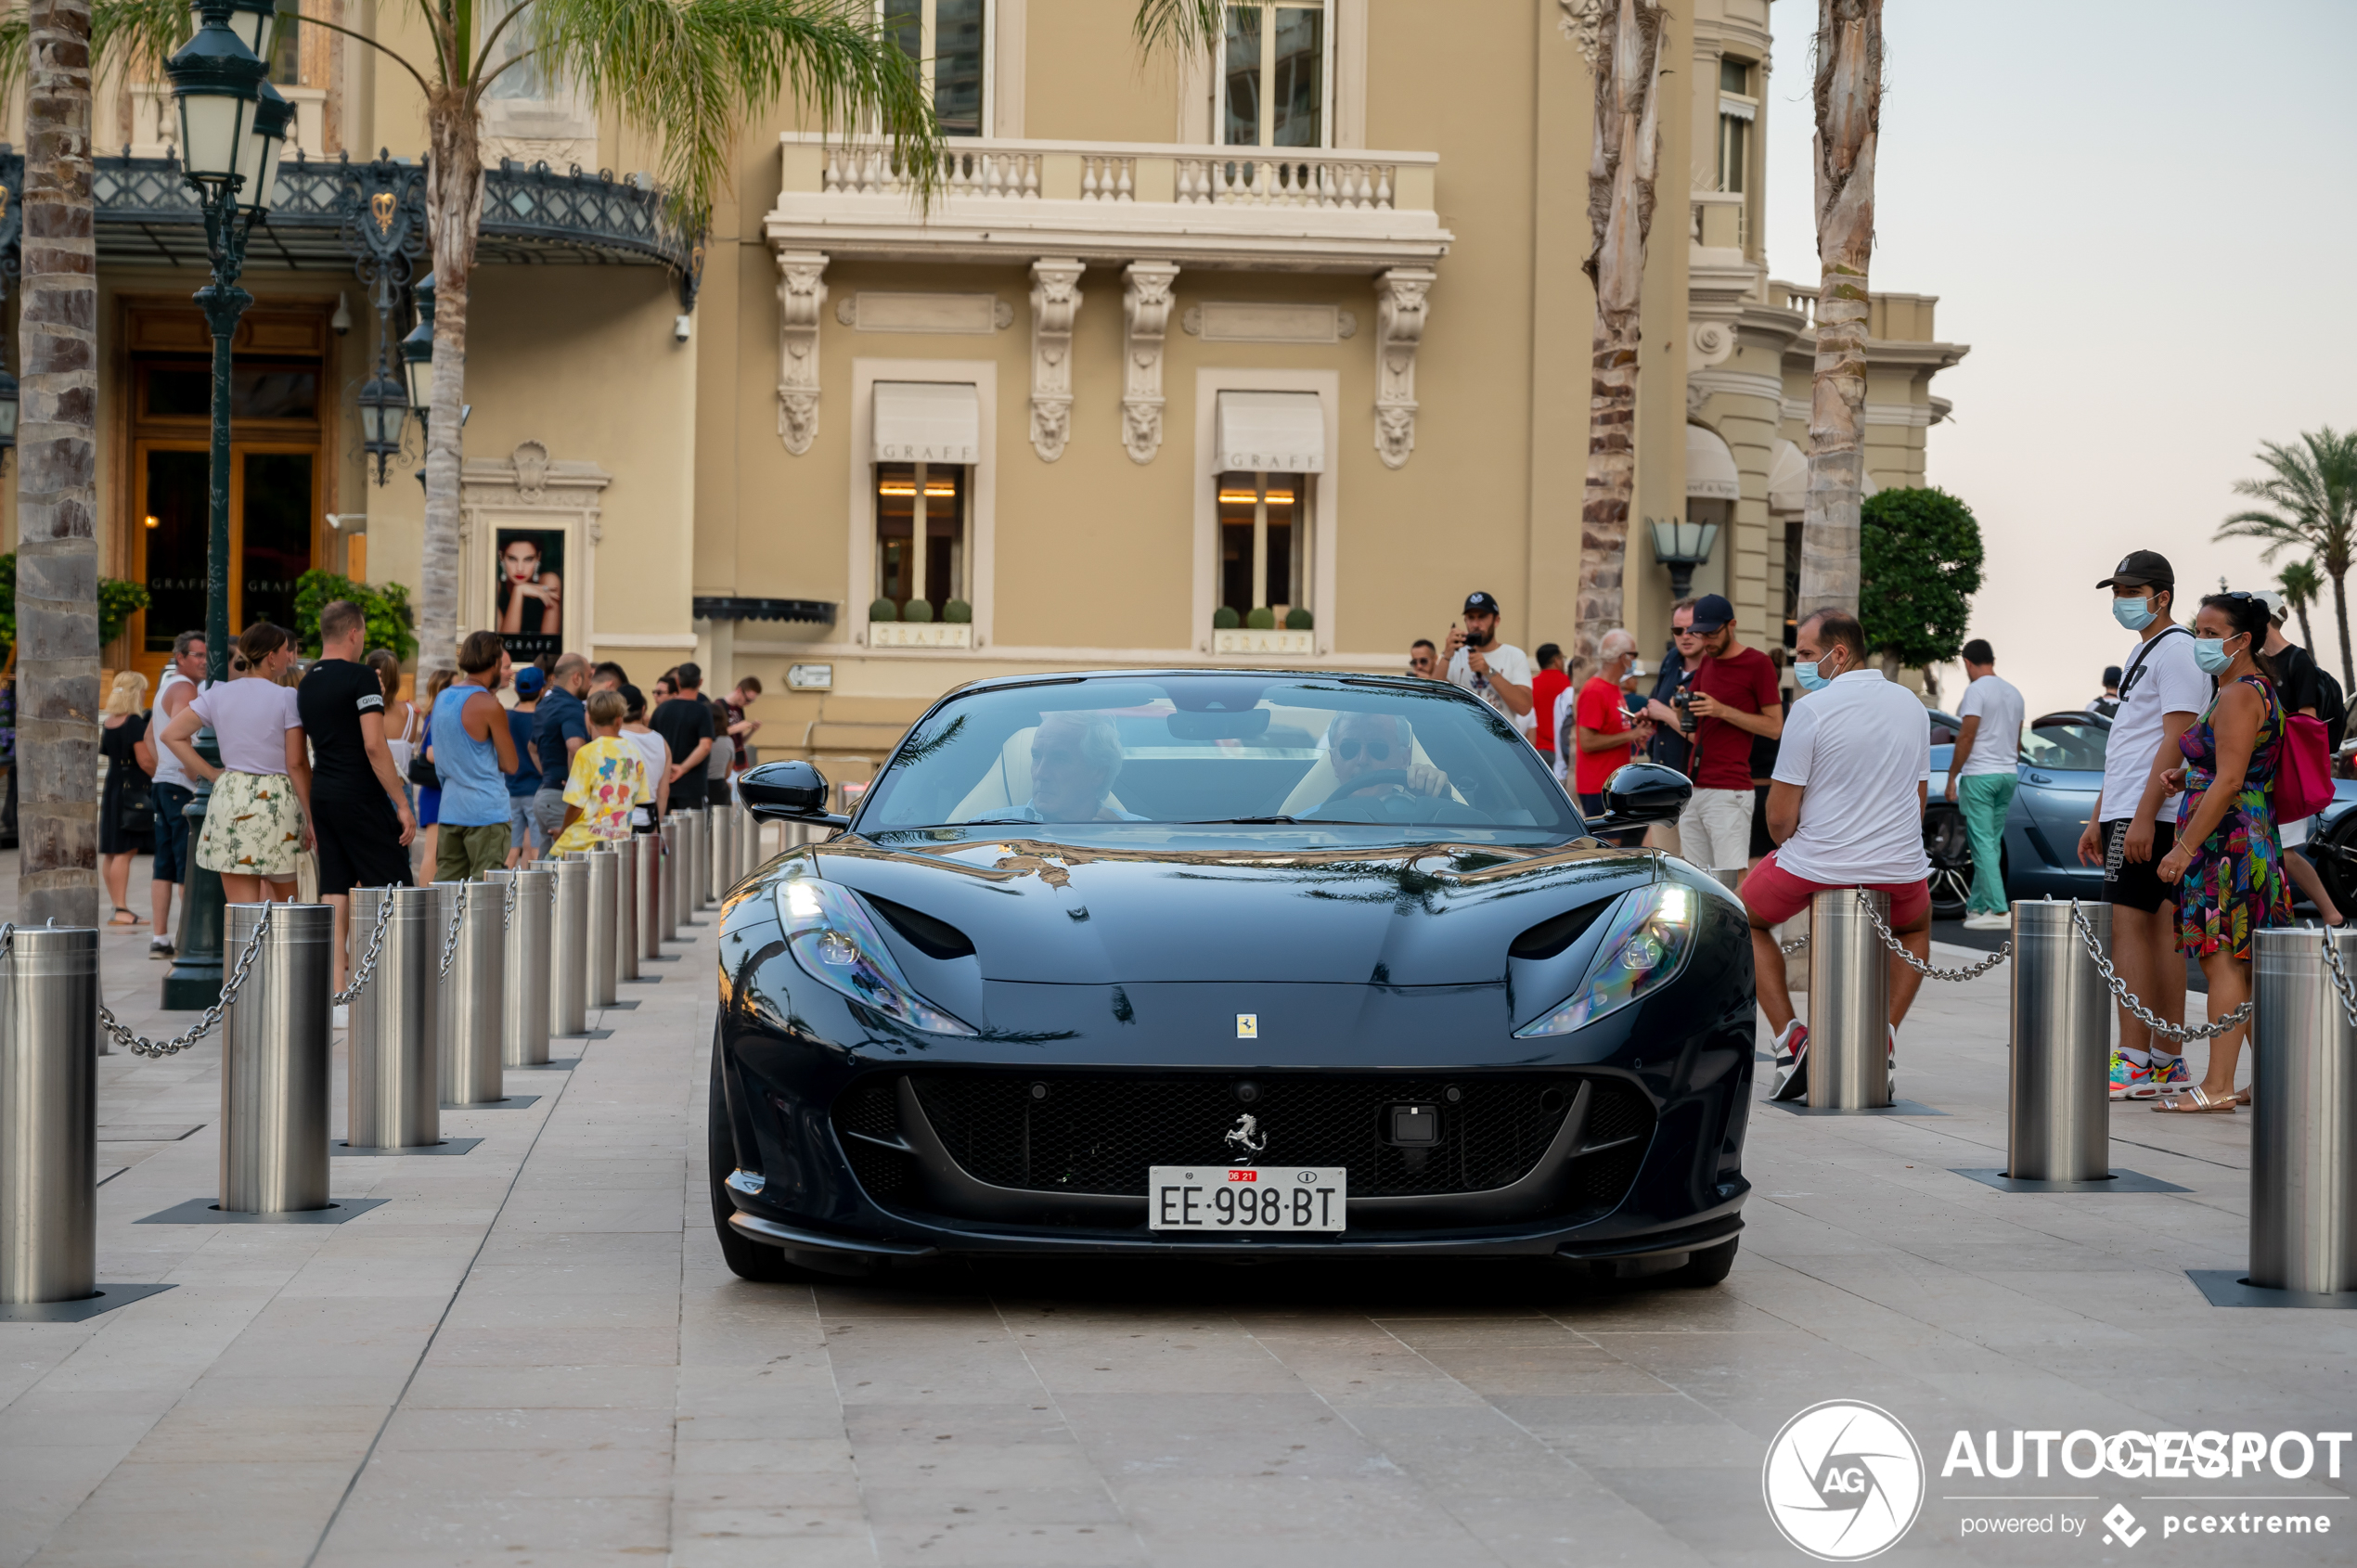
1399	326
1055	301
801	294
1145	307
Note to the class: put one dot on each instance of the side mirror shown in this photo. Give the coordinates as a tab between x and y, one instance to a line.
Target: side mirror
789	791
1642	793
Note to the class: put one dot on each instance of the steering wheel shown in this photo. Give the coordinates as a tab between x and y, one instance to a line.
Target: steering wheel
1389	778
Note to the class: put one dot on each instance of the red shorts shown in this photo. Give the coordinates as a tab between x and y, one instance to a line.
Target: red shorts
1775	895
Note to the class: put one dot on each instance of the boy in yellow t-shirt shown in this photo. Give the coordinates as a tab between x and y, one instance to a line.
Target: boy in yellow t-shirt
607	779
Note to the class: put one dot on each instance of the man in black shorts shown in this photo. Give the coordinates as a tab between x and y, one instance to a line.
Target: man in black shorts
358	810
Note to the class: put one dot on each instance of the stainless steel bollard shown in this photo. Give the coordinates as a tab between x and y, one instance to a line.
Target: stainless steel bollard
48	1115
523	999
1848	1004
274	1061
648	848
724	849
695	891
470	1023
673	847
2303	1140
2058	1110
393	1099
625	908
605	925
568	946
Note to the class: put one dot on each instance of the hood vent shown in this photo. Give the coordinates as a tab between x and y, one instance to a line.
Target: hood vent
1549	938
934	938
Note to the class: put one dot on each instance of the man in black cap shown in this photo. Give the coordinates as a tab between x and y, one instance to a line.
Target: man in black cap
2134	825
1497	672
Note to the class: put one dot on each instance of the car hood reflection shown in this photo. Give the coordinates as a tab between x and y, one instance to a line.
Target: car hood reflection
1036	910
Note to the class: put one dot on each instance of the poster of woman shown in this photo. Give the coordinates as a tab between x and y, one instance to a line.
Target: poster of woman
528	605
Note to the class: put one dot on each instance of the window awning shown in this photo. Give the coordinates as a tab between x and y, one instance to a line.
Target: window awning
927	422
1270	432
1788	480
1711	468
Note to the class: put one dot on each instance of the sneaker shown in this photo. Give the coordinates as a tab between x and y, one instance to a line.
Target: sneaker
160	947
1792	1062
1890	1059
1987	921
2169	1075
2129	1081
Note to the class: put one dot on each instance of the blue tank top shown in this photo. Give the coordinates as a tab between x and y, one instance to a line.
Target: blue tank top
474	793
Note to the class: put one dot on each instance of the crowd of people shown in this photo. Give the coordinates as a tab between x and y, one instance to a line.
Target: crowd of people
324	772
2219	753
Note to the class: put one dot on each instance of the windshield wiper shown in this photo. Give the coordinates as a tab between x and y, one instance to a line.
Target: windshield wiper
1236	822
995	822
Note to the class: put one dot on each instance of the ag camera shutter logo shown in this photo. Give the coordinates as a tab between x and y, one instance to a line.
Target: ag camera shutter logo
1843	1481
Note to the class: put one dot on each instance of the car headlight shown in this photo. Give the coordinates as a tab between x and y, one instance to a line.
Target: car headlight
839	947
1643	949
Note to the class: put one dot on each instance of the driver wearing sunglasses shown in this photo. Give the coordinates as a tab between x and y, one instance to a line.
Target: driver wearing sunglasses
1371	753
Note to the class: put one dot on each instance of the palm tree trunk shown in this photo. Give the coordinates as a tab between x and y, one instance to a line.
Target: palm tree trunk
1622	160
2340	614
453	199
57	484
2307	637
1848	121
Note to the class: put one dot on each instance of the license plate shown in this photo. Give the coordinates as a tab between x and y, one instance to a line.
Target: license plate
1247	1197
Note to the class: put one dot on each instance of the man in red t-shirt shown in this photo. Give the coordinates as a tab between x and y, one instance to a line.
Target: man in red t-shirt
1602	739
1546	686
1732	697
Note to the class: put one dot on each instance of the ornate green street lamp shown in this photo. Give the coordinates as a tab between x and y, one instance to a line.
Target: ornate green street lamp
232	125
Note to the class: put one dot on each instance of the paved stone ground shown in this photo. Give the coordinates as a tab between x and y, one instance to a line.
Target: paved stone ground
531	1355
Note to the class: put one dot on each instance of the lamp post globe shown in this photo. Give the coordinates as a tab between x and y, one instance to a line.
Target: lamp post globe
384	408
254	21
231	125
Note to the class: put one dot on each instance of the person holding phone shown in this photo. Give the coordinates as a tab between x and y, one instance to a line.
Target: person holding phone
1497	672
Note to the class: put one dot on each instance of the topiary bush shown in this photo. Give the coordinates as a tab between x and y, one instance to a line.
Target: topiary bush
1261	619
385	612
884	609
917	609
1297	619
957	612
1225	620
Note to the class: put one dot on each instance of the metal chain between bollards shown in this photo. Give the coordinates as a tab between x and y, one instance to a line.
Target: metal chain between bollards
2335	970
139	1045
507	904
1794	946
2178	1031
361	976
450	937
1882	929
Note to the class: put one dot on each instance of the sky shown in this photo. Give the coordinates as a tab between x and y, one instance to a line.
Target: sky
2136	214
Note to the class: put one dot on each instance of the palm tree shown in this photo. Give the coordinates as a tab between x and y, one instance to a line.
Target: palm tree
1849	124
2310	503
2301	584
1624	156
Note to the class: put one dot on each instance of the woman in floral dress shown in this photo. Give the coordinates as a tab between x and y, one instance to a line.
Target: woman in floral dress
2228	864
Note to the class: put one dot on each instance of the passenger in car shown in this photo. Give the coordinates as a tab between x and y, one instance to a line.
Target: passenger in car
1075	759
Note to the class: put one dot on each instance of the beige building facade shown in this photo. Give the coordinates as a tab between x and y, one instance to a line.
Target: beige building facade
1300	329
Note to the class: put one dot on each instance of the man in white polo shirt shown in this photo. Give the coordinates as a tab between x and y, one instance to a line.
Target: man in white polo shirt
1845	810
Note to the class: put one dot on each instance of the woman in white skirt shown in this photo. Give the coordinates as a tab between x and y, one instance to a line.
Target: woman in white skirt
258	819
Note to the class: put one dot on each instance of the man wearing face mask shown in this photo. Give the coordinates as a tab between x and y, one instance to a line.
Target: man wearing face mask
1845	810
2161	690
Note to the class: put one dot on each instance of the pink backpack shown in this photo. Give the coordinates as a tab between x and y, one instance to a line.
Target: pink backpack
2303	769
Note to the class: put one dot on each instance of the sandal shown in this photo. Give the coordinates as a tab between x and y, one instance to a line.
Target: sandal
2196	1101
117	918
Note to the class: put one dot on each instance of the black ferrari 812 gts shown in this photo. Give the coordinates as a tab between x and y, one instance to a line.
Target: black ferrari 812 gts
1226	963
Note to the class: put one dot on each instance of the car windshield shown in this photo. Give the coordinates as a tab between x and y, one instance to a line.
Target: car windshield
2074	745
1415	758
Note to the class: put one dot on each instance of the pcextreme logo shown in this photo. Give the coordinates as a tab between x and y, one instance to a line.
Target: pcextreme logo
1843	1481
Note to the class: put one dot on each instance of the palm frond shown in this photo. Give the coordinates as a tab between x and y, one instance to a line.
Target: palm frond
130	37
2280	533
1181	29
689	74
